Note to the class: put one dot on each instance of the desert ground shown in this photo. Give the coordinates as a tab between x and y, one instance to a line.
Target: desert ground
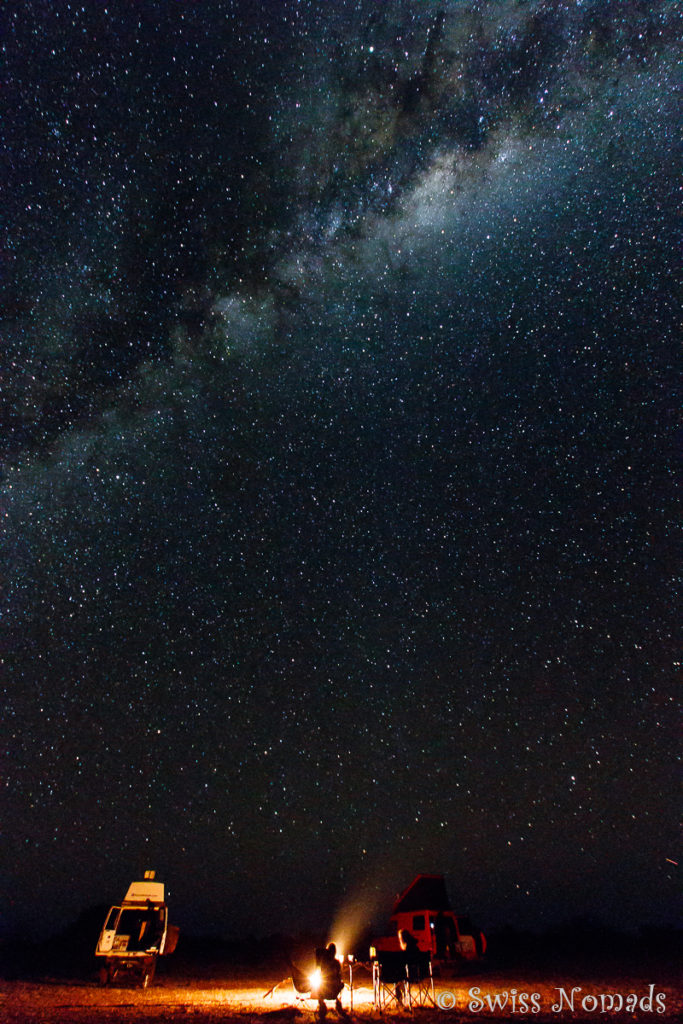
648	994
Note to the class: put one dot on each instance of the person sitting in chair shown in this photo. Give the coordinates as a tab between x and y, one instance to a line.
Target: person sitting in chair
331	983
410	948
408	944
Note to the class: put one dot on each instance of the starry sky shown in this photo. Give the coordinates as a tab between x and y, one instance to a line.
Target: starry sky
338	438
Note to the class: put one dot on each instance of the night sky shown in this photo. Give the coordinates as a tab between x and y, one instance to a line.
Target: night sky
340	346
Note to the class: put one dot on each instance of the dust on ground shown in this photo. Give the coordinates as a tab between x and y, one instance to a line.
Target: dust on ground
513	997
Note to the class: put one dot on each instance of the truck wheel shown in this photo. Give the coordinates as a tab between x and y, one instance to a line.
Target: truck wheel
104	975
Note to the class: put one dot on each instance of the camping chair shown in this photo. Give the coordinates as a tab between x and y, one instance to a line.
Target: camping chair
401	982
305	991
420	980
389	980
300	981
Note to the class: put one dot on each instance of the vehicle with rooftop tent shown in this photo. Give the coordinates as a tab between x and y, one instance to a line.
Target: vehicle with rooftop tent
424	910
136	933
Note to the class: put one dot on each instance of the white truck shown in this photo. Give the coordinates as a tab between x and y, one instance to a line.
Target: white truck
136	932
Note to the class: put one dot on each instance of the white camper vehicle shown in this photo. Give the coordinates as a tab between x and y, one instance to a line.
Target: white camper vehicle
135	933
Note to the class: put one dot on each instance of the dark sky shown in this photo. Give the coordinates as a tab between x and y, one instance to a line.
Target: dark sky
339	403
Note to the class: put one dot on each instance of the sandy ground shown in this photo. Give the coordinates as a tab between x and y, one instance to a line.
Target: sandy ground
520	996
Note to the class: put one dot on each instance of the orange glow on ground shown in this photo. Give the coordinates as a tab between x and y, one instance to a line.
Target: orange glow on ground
246	999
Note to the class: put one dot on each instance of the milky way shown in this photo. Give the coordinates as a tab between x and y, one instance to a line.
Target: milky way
339	381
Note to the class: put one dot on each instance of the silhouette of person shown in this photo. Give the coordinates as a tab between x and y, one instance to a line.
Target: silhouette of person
451	939
440	935
411	950
408	944
331	983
